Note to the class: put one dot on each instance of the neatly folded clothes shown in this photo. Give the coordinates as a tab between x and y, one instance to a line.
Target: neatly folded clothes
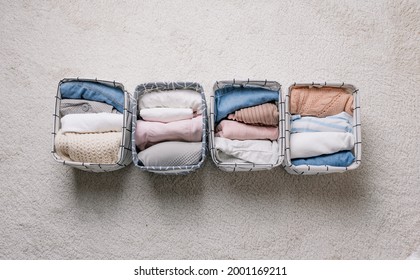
320	102
340	159
240	131
93	91
311	144
231	99
151	133
83	123
255	151
264	114
89	147
166	114
172	153
83	106
178	98
342	122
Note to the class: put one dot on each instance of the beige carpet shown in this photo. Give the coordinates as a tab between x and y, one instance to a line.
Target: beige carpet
51	211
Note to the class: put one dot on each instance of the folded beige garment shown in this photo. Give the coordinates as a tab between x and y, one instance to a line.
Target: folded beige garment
89	147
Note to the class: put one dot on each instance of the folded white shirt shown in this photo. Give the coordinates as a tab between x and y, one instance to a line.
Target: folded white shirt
96	122
255	151
166	115
311	144
178	98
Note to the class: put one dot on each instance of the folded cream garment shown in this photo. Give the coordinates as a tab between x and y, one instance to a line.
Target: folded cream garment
255	151
311	144
179	98
240	131
97	122
151	133
88	147
172	153
166	115
264	114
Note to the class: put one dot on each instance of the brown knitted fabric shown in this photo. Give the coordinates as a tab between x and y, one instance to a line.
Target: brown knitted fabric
89	147
264	114
320	102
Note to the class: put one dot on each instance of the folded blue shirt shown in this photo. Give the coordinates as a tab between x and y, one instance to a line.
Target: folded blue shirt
230	99
340	159
341	122
95	92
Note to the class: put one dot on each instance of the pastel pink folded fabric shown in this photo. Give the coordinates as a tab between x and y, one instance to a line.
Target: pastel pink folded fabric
264	114
150	133
239	131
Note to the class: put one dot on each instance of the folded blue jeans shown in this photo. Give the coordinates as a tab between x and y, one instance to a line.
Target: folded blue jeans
95	92
230	99
340	159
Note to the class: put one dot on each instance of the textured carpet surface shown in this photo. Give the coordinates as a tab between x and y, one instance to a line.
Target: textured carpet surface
51	211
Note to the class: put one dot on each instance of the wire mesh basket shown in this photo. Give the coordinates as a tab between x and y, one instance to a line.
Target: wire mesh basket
324	169
230	167
168	86
124	153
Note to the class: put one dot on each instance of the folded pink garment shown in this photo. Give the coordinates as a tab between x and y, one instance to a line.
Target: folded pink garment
150	133
239	131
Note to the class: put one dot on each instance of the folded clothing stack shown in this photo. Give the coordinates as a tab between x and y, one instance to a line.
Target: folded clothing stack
321	126
170	129
91	122
246	120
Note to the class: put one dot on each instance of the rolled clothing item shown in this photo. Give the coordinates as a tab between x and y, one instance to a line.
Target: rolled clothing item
341	122
83	106
311	144
264	114
172	153
166	115
85	123
89	147
178	98
231	99
150	133
93	91
340	159
254	151
320	102
239	131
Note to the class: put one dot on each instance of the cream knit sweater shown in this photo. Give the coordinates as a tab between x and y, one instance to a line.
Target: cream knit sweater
89	147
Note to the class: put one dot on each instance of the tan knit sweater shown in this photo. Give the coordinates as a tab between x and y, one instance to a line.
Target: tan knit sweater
320	102
264	114
89	147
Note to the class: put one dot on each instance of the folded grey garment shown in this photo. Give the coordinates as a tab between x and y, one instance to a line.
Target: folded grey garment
225	158
82	106
171	153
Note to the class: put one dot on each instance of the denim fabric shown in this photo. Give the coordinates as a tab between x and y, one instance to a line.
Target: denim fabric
340	159
230	99
95	92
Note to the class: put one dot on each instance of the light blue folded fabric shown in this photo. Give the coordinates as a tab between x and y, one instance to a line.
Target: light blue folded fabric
340	159
230	99
342	122
95	92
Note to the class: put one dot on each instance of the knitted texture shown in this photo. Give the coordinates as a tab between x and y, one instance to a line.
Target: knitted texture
320	102
264	114
89	147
